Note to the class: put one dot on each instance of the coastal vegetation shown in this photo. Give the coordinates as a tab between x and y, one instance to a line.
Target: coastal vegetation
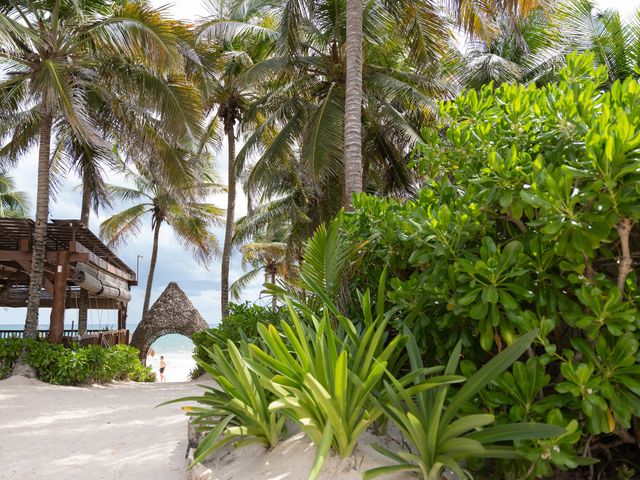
521	229
74	365
442	198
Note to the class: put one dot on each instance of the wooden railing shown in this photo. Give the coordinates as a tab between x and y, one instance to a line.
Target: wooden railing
93	337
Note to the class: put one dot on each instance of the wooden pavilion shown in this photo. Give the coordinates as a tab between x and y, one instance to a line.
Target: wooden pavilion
75	259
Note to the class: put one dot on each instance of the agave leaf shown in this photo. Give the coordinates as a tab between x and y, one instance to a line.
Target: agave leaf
488	373
516	431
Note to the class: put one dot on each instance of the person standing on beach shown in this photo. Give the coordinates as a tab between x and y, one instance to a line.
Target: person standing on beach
163	365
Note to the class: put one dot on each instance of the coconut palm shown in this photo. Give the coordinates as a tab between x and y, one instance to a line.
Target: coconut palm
321	47
184	209
353	181
47	50
12	203
230	45
506	57
578	25
269	258
294	157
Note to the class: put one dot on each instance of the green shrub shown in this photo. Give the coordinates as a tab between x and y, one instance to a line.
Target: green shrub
75	365
326	374
526	219
326	379
10	349
241	324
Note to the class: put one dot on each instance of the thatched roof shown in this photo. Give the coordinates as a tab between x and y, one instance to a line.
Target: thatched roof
173	312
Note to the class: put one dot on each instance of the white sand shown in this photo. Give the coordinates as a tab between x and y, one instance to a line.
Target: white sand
90	433
293	458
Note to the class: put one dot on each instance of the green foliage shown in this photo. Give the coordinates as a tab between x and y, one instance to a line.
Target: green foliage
237	408
76	365
10	349
528	204
329	259
241	324
329	380
440	438
324	378
332	376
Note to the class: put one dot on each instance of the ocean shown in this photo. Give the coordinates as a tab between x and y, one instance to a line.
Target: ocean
176	349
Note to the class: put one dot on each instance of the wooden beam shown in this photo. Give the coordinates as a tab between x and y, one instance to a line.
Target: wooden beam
51	257
56	328
46	283
122	317
77	247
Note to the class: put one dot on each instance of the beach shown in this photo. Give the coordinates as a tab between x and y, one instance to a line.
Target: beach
108	432
178	357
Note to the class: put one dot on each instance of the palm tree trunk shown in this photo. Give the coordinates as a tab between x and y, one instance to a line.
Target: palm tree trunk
40	230
274	300
353	103
85	209
152	267
228	233
83	300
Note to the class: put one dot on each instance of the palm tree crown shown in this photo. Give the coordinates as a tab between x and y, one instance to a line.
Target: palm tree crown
183	209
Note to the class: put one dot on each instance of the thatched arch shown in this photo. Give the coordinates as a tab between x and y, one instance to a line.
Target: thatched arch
173	312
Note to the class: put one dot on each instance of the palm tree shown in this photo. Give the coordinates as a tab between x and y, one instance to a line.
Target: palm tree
47	51
298	134
13	203
508	55
267	257
230	45
353	181
578	25
183	209
115	102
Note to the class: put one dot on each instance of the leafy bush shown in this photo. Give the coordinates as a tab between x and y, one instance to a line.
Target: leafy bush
10	349
75	365
526	220
241	324
237	408
326	374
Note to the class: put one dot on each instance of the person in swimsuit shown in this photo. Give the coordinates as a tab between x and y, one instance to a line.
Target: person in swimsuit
162	367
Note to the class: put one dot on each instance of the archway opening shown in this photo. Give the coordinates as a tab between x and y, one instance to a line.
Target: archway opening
177	351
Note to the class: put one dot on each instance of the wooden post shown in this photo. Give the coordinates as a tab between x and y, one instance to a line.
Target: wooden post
122	317
56	326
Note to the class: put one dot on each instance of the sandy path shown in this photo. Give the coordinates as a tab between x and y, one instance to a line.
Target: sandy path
101	432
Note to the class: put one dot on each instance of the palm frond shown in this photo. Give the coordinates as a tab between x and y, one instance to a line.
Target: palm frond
116	229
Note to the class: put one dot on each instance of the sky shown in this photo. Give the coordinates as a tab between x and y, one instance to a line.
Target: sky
174	264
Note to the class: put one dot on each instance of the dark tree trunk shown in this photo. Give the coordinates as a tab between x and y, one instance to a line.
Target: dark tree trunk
228	233
152	267
40	230
353	103
83	299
